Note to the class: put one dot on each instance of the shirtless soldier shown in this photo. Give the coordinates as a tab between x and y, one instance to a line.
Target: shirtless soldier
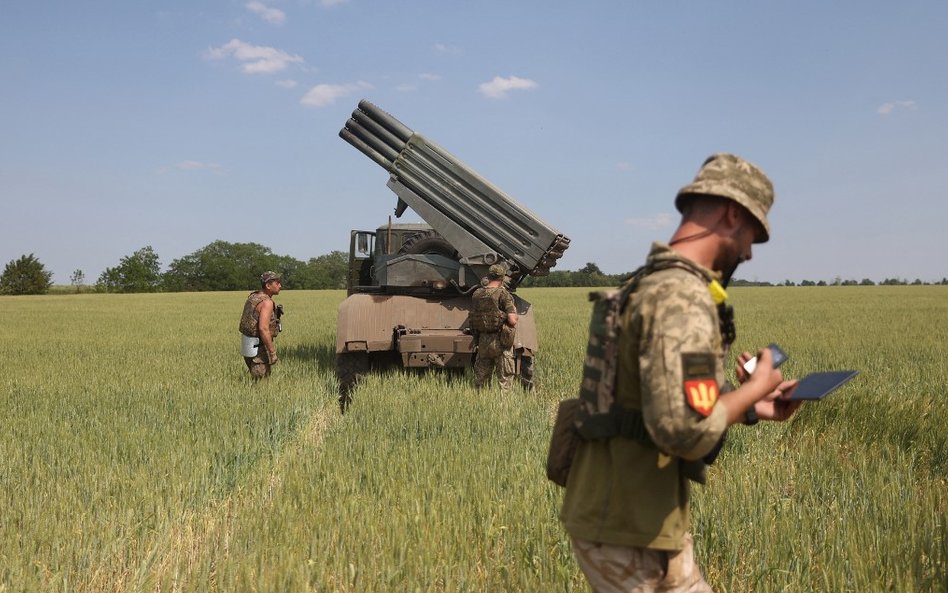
261	319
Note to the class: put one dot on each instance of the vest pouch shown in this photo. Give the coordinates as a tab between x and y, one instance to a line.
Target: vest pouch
563	442
248	346
486	316
507	336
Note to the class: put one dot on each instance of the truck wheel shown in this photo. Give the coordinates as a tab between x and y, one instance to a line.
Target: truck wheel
428	242
526	372
350	368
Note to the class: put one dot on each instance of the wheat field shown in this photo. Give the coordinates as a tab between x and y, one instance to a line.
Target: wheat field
136	455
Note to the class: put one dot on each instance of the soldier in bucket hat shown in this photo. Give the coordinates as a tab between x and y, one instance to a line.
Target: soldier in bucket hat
492	321
626	501
260	325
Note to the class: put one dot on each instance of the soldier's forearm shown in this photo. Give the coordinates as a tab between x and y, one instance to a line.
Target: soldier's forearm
266	339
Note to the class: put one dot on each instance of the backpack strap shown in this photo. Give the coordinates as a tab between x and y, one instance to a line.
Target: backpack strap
594	420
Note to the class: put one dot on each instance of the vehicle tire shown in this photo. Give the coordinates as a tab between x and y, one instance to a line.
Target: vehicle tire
526	372
350	368
430	243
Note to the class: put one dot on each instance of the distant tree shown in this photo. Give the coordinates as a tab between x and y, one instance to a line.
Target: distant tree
588	275
326	271
592	275
849	283
553	279
742	282
821	283
892	282
139	272
917	282
867	282
77	279
26	275
807	283
228	266
590	268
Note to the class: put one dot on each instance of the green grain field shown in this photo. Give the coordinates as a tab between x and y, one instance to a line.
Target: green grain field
135	455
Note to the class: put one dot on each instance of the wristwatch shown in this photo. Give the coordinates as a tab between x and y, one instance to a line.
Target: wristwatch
750	417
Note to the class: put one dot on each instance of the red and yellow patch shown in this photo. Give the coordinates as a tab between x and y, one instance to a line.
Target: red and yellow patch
701	395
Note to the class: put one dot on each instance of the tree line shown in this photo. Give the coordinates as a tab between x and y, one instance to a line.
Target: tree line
218	266
591	275
237	266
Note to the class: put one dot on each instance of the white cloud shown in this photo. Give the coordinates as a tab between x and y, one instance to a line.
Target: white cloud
322	95
443	48
887	108
267	13
623	166
256	59
499	87
406	88
662	220
287	84
428	76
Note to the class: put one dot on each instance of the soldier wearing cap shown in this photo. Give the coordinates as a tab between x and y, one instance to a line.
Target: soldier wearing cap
260	325
626	501
492	320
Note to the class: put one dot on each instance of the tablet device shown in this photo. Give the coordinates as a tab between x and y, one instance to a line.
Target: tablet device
819	385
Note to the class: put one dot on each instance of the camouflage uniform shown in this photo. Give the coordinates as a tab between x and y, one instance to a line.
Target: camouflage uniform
491	355
626	500
259	365
669	322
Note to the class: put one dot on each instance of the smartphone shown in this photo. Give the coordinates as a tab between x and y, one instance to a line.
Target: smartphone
779	357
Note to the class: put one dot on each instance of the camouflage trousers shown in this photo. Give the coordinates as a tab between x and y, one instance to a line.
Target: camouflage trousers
491	358
259	365
622	569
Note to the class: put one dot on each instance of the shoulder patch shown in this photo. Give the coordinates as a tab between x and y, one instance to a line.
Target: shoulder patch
700	385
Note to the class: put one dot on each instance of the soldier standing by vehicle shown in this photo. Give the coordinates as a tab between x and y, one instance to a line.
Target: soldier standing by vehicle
626	501
260	325
492	320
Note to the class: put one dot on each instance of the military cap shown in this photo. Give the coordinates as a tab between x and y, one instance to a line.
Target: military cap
730	176
268	276
497	271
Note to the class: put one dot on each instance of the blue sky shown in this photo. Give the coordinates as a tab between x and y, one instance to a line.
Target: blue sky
177	123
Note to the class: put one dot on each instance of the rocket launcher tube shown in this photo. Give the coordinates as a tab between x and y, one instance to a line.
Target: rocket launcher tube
396	127
480	208
466	209
372	140
364	148
378	130
438	195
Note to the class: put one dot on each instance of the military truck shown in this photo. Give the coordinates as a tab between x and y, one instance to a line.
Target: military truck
409	285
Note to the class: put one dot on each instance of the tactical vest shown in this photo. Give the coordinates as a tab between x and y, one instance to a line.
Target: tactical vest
486	315
599	416
250	318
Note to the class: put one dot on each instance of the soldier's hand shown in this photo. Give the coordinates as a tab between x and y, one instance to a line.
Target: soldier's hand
777	405
742	375
272	355
765	374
